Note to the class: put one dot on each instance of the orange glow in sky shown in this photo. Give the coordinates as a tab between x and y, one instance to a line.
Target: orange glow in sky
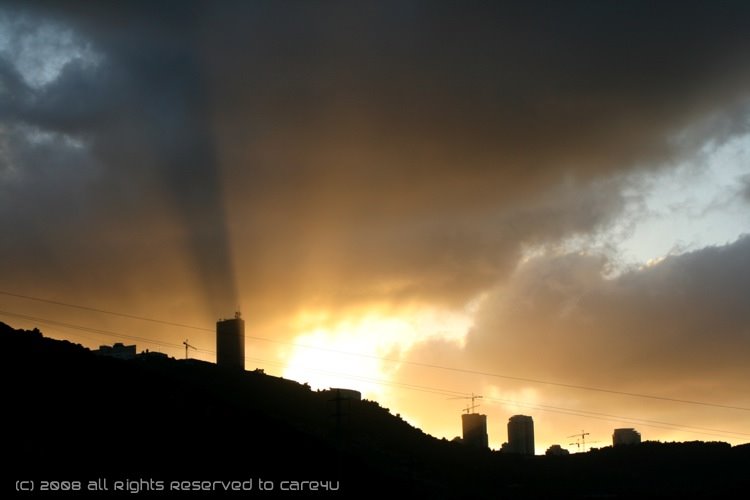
421	203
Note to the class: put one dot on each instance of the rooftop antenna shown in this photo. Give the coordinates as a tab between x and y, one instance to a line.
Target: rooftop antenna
186	348
473	405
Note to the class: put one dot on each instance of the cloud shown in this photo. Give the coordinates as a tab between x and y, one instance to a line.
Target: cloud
143	114
677	327
426	148
745	188
342	154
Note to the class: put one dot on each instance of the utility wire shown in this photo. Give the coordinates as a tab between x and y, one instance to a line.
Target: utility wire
619	418
104	311
89	329
433	390
391	360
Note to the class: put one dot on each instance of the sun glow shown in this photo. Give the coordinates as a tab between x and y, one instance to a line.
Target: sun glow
362	352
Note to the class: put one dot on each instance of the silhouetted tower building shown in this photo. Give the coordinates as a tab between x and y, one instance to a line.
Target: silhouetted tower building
230	342
475	430
626	436
520	435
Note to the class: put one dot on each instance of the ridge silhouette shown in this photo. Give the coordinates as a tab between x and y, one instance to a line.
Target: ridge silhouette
76	416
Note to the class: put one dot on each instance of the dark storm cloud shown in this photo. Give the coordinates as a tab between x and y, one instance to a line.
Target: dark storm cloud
408	143
509	89
143	111
745	188
400	150
11	86
681	325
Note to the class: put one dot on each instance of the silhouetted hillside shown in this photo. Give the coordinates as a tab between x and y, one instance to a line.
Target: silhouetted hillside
73	415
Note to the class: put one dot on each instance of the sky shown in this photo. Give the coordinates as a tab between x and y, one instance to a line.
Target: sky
543	203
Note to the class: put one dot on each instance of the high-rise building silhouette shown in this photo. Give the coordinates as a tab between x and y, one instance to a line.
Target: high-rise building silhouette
626	436
475	430
520	435
230	342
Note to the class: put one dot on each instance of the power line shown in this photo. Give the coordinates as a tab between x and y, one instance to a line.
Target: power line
89	329
619	418
391	360
548	408
520	379
415	387
212	352
104	311
583	387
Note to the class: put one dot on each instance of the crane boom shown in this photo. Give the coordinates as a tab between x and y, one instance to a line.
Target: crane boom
473	397
581	439
185	343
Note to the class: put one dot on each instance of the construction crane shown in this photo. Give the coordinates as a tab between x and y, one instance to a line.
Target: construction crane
578	444
186	348
581	440
473	397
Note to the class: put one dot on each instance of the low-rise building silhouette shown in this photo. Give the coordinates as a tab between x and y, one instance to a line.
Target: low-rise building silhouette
556	451
343	394
152	355
118	350
625	436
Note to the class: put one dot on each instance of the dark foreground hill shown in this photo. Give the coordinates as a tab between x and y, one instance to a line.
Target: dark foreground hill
168	428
